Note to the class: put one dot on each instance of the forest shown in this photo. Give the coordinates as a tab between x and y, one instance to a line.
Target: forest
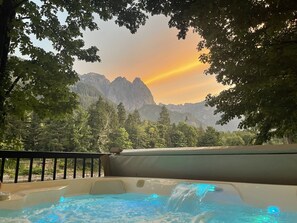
249	45
104	125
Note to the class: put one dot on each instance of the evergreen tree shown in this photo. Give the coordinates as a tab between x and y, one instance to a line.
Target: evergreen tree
136	117
70	133
247	136
231	139
177	138
136	131
120	138
32	136
133	120
164	118
103	121
13	137
164	126
79	132
190	133
153	137
210	138
52	135
121	114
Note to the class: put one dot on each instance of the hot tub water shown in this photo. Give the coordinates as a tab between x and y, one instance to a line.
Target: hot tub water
187	203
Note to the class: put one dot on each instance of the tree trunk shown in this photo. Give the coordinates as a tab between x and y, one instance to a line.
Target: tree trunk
288	139
7	15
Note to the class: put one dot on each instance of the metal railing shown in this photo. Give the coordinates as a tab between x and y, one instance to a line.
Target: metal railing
17	156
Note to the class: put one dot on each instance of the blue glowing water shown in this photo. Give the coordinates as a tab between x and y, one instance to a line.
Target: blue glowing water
186	204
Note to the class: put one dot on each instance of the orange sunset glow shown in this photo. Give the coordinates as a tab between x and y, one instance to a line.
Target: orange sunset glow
168	66
169	74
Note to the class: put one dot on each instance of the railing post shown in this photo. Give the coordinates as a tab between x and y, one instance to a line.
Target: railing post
43	169
84	168
99	167
92	166
65	168
2	168
55	168
17	166
30	170
74	168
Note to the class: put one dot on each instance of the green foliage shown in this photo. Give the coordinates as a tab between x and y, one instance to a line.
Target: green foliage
164	118
80	132
41	80
37	170
137	135
191	133
153	137
14	135
136	130
232	139
135	118
177	138
248	137
211	137
120	139
121	114
103	121
251	48
33	133
98	130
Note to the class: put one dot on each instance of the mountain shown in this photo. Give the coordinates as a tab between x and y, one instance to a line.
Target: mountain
100	82
88	94
136	95
132	94
152	113
204	114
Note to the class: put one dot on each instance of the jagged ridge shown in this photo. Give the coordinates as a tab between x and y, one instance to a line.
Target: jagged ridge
133	95
136	95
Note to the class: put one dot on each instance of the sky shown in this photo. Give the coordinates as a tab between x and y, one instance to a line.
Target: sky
168	66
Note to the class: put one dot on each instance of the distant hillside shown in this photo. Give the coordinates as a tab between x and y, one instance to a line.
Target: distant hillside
136	95
133	95
205	115
152	113
87	94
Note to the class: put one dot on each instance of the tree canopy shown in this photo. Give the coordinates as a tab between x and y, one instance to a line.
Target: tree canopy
98	129
40	80
251	48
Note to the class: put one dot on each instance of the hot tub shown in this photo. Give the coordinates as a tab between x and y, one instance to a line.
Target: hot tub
165	200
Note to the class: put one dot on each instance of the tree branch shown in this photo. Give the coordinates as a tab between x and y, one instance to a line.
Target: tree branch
25	17
12	86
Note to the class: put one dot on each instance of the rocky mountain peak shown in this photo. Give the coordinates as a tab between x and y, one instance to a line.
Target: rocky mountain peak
133	95
120	81
99	81
137	80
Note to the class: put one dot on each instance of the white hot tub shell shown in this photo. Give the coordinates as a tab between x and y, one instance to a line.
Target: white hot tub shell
257	195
